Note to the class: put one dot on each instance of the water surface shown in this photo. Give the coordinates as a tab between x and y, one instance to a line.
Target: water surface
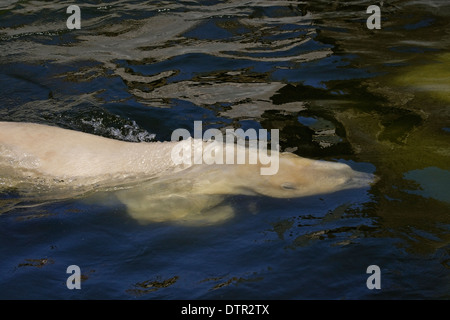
375	99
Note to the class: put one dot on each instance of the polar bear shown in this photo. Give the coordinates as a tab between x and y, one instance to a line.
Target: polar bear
144	177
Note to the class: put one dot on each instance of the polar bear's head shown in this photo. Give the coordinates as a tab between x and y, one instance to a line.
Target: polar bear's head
298	177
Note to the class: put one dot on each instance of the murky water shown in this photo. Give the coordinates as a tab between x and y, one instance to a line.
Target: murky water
375	99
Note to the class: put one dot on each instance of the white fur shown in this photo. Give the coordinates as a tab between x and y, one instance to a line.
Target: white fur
160	189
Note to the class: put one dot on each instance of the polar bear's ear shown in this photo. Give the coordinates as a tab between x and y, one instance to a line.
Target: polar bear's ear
289	155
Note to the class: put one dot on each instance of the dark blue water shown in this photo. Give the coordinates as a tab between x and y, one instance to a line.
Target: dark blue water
375	99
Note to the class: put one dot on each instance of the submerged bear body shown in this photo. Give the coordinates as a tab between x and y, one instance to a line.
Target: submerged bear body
148	181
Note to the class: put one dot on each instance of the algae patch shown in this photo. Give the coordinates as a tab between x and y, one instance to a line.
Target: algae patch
433	78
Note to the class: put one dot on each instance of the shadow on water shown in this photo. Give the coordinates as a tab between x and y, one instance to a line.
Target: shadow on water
377	99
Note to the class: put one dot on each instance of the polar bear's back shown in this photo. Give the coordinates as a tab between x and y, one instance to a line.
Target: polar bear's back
63	153
55	151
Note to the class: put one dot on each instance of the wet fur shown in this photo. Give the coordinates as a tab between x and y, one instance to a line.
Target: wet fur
160	190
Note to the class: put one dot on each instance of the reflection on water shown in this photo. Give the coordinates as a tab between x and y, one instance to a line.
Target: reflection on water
377	99
433	183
